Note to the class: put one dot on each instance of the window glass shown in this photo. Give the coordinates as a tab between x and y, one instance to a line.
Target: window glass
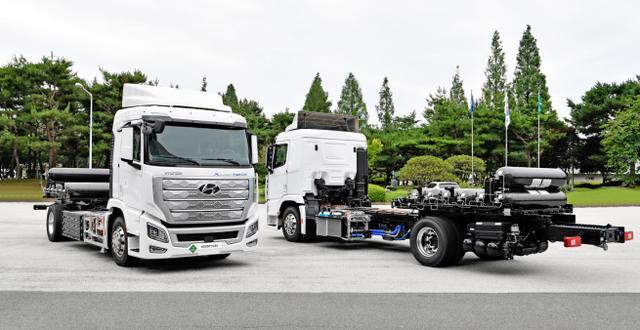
280	155
136	143
198	145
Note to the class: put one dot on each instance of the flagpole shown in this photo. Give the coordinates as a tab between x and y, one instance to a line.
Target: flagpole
507	120
472	169
538	139
472	109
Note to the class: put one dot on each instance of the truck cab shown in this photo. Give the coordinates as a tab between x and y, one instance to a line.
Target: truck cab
181	184
306	162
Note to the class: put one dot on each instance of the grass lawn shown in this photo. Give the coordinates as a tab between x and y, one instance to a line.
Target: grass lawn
20	191
604	196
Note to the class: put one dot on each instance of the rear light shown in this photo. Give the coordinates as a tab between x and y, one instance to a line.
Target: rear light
572	241
628	236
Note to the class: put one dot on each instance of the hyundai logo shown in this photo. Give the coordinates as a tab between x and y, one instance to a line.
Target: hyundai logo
208	188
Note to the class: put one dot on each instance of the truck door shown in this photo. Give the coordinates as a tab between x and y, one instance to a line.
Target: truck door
277	179
130	172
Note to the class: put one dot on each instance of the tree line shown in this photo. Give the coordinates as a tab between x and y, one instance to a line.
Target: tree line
44	118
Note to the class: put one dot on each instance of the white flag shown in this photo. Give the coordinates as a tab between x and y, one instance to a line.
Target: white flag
507	117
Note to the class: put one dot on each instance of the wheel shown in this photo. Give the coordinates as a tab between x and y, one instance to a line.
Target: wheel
460	234
435	242
120	244
291	224
54	223
218	256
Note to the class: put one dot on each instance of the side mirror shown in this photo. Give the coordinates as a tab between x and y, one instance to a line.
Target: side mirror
269	158
254	149
126	144
156	127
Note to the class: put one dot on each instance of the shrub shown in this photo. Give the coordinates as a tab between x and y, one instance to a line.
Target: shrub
376	193
423	169
461	165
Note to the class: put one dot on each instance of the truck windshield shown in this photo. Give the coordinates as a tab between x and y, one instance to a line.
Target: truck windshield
189	145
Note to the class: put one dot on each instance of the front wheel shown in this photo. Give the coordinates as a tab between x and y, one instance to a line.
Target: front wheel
120	244
291	224
435	242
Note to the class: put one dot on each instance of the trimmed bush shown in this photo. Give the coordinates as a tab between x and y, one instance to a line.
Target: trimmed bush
376	193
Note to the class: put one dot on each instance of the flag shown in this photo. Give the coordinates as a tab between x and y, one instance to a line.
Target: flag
472	107
507	116
539	104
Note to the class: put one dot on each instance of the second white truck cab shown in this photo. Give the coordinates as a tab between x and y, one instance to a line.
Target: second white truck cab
306	156
181	182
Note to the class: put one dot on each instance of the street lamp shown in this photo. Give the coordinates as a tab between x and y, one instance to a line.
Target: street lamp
90	123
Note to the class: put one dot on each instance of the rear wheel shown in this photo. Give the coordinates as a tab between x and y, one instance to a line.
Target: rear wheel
120	244
54	223
435	242
291	224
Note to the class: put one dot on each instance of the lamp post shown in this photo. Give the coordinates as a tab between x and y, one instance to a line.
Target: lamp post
90	123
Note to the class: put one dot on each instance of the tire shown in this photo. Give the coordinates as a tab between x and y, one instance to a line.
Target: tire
54	223
435	242
218	256
291	224
460	232
119	245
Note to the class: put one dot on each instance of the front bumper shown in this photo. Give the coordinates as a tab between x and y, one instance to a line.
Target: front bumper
188	242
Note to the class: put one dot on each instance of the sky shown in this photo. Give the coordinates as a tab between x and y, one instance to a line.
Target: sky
270	50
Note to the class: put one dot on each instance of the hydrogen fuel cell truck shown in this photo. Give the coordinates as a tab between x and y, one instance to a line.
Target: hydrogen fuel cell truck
317	187
181	182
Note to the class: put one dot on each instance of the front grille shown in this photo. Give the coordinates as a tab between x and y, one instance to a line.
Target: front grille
205	200
207	237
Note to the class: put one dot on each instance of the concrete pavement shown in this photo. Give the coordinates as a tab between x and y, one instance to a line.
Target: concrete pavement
28	261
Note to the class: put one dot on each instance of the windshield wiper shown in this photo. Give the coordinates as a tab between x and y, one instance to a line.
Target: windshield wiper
228	160
188	160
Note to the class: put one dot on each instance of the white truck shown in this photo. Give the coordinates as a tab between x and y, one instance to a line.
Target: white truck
181	183
317	186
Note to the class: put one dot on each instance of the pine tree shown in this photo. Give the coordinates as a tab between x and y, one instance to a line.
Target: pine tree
494	88
528	83
317	98
351	102
203	87
489	117
229	98
456	94
385	107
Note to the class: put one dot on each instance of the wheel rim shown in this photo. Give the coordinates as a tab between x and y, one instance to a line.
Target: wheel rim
290	224
427	241
50	222
118	241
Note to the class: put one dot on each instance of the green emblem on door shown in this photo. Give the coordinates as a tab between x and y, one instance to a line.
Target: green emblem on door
193	248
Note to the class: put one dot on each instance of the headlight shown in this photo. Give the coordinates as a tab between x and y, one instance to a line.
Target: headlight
157	234
252	230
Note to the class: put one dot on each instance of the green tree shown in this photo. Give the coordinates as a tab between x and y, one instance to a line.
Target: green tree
351	102
229	97
489	117
622	143
461	167
528	83
424	169
385	107
598	105
456	94
317	99
406	122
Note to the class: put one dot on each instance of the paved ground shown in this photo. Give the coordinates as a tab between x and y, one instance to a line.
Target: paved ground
319	310
317	284
28	261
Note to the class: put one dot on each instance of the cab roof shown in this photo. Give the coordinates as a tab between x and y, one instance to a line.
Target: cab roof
134	95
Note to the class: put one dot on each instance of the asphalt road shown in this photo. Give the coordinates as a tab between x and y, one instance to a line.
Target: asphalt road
317	310
316	284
